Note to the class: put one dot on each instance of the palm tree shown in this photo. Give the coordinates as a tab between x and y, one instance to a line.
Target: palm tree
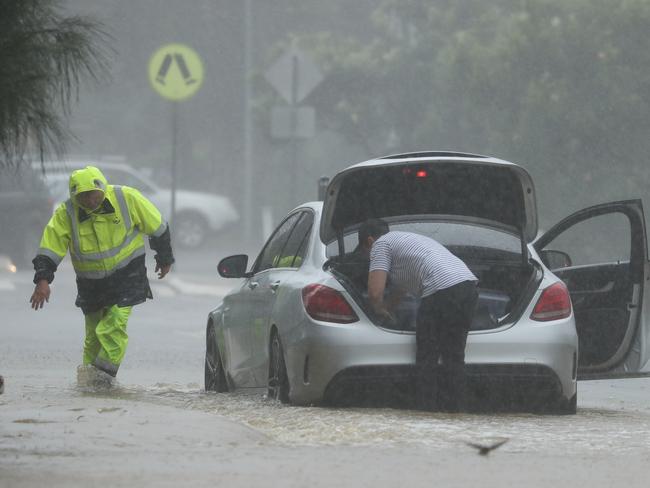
44	55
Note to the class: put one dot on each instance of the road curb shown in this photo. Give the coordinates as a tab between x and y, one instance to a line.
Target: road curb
186	287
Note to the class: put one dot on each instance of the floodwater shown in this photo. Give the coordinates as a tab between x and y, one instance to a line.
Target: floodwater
599	427
155	426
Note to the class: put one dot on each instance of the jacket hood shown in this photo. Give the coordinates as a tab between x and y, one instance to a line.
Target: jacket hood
86	179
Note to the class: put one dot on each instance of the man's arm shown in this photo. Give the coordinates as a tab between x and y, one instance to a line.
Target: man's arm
149	220
380	263
52	249
376	287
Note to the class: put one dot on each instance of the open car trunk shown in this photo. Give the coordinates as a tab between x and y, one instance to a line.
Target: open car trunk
505	287
482	192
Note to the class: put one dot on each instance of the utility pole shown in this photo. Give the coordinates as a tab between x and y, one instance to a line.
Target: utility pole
248	128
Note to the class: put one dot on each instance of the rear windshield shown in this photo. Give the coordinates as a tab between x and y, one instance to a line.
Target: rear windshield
455	236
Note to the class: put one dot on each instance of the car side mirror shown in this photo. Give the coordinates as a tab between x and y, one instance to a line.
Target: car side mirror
556	259
233	266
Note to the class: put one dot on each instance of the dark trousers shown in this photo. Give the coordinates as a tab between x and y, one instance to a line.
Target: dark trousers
443	322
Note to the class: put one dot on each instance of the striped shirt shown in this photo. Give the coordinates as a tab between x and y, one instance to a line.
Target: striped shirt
417	264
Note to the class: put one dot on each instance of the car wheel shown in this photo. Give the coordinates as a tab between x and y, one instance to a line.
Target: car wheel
190	230
278	385
215	378
563	406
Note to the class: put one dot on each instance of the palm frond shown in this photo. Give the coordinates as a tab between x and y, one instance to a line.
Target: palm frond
44	57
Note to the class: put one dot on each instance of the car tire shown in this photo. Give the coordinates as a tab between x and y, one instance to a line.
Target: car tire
191	230
214	375
562	406
278	384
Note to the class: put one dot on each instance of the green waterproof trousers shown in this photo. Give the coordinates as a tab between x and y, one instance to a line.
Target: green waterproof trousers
106	338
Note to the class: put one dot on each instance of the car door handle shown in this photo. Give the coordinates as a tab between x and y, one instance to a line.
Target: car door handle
253	284
274	286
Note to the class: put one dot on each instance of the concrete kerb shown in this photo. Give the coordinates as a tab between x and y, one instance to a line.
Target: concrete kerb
191	285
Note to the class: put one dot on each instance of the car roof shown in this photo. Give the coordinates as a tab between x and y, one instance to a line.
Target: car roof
315	205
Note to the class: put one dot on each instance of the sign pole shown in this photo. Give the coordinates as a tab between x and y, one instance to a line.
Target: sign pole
175	73
294	130
248	126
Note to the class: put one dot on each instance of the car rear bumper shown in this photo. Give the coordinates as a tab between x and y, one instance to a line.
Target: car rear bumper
489	386
329	360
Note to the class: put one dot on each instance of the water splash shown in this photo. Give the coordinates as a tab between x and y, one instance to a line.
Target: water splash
91	379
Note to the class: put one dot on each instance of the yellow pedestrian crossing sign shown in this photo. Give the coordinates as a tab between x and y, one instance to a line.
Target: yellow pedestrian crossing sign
176	72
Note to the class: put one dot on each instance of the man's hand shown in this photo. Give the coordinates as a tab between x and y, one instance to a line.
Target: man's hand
386	316
41	294
162	270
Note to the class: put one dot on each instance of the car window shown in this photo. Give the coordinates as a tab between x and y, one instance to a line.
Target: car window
296	247
274	246
583	246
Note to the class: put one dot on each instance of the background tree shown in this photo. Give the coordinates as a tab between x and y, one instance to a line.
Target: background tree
44	55
561	86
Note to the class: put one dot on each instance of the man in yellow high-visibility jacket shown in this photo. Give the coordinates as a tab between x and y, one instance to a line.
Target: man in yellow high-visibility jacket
102	227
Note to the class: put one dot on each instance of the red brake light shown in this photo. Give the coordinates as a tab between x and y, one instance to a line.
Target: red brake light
421	174
553	304
328	305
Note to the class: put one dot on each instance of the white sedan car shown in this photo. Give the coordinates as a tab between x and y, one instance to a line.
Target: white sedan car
197	213
568	304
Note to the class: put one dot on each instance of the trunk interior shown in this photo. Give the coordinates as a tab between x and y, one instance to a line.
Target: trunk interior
506	285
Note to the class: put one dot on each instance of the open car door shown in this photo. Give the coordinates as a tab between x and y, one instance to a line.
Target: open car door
601	255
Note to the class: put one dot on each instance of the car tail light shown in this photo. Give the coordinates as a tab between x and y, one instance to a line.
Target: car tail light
553	304
326	304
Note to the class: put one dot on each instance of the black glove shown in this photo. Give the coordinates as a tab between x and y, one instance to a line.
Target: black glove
163	247
44	268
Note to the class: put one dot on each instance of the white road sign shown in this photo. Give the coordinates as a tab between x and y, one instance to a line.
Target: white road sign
294	75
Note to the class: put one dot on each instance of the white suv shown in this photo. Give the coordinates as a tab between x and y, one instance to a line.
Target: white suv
197	213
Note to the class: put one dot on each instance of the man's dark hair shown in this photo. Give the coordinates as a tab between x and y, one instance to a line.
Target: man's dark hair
372	228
